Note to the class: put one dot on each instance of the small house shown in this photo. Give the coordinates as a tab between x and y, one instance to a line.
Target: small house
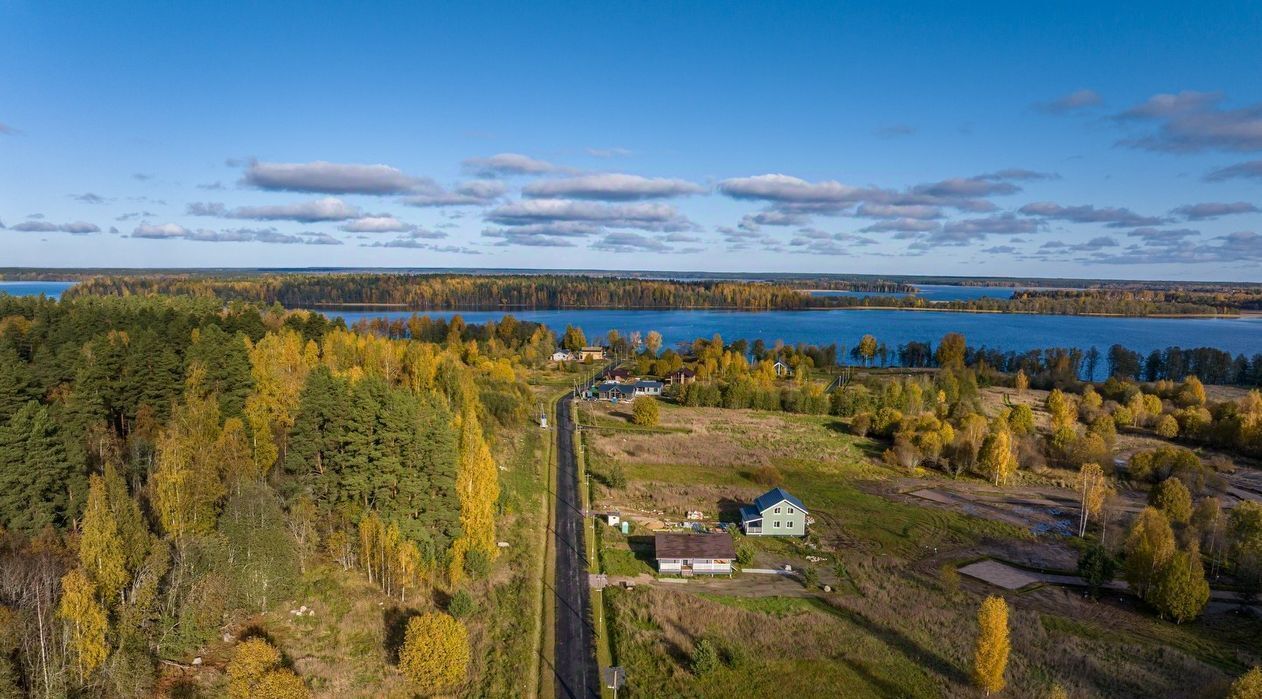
774	513
681	377
647	387
615	392
613	519
782	369
563	356
693	554
592	353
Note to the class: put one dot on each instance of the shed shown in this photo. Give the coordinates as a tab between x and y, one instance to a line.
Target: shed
694	554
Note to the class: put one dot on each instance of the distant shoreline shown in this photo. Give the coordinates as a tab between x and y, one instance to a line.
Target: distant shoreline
511	307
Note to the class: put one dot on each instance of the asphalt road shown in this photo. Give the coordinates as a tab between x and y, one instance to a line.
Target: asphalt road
576	671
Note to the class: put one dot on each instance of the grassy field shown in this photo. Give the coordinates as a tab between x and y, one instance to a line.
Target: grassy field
895	626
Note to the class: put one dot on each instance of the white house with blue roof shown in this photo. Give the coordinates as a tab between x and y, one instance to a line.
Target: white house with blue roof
774	513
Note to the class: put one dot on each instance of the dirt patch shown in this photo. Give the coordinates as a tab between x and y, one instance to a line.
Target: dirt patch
999	574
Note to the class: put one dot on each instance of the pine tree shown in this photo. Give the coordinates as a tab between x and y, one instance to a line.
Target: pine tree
133	532
100	547
477	482
86	621
990	658
435	652
38	484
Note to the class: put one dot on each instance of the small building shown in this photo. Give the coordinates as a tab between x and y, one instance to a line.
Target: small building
563	356
782	369
694	554
774	513
615	392
681	377
592	353
613	519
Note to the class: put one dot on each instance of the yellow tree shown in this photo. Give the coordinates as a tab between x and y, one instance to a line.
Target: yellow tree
100	547
997	459
477	484
1092	489
186	484
1248	685
86	620
1022	382
435	652
279	364
990	658
254	672
1149	547
867	348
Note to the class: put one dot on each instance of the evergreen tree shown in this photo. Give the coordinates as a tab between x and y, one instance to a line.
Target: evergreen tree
38	485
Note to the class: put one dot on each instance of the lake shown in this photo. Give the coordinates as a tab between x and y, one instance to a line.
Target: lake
1016	332
50	289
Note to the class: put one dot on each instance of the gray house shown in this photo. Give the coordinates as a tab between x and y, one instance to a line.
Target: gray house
615	392
774	513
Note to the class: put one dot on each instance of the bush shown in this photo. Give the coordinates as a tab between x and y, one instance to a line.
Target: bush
617	478
745	553
861	424
810	578
705	657
1167	427
645	412
950	578
477	564
461	604
1096	568
435	652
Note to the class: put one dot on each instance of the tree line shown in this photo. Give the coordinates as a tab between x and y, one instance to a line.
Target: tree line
553	291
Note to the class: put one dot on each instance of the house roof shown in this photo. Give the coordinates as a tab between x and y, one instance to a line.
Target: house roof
593	349
607	387
647	383
683	372
750	513
777	495
676	545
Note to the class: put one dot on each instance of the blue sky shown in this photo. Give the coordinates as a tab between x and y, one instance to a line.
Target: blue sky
1050	139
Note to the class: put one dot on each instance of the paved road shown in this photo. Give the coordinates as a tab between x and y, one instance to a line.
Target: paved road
576	671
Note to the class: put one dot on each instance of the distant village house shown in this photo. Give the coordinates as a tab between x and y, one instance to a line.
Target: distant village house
616	392
681	377
592	353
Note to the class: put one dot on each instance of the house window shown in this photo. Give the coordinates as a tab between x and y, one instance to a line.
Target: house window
776	524
777	510
790	510
789	524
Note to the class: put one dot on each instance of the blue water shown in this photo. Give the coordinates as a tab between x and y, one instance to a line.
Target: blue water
50	289
1015	332
935	292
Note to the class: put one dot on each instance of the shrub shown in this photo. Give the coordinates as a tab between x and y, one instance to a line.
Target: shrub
477	564
435	652
705	657
1167	427
461	604
1172	497
745	553
810	578
950	578
1096	567
861	424
645	412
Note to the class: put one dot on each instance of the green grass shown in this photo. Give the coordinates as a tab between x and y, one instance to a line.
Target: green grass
771	606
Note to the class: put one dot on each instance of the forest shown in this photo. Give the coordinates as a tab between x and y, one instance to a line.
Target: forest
556	291
169	466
